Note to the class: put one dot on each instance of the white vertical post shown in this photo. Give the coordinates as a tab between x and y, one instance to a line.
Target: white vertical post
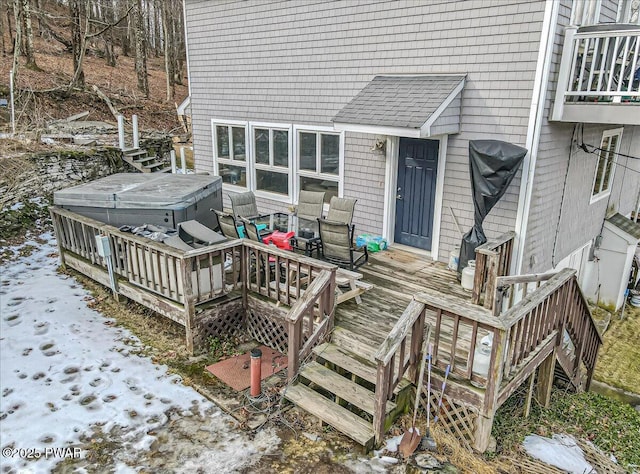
173	161
136	136
567	70
121	131
183	161
13	113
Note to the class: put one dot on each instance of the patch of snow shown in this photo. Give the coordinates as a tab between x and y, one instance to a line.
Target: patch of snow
393	443
17	206
68	372
560	451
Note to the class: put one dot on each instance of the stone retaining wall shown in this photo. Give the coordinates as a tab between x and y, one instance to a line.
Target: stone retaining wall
40	174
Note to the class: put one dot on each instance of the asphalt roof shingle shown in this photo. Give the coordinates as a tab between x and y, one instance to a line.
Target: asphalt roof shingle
626	225
398	101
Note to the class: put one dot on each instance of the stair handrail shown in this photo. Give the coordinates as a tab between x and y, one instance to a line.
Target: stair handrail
590	340
561	300
320	291
411	322
508	286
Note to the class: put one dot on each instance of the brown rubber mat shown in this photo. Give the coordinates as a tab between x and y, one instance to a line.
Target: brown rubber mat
236	372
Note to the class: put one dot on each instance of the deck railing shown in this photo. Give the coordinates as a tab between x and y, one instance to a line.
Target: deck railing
278	274
517	340
394	359
512	289
603	65
317	303
152	265
193	277
583	331
493	259
600	65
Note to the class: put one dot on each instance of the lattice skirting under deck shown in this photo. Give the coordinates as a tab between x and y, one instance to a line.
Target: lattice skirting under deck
270	332
455	418
220	321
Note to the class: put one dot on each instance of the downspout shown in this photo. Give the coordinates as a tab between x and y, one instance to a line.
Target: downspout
540	85
186	52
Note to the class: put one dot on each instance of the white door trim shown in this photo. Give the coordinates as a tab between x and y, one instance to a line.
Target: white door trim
437	204
390	189
391	186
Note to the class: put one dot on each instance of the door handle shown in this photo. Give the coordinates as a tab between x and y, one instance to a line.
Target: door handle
399	197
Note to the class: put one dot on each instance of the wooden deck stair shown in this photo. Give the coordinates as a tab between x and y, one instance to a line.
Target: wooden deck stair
339	389
143	162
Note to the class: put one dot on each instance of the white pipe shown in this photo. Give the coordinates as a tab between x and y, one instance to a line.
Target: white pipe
136	136
183	161
13	113
540	86
121	131
172	154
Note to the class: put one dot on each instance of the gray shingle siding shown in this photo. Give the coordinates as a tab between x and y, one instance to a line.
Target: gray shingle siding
364	171
301	62
557	226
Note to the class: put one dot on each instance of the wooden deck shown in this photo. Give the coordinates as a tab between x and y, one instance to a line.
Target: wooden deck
288	302
397	275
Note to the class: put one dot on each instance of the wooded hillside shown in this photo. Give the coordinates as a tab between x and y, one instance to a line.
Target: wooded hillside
68	55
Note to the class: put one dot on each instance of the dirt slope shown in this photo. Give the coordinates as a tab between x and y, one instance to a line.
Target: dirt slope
34	108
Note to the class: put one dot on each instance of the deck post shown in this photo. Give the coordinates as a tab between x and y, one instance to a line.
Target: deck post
380	401
492	276
482	433
484	422
57	230
545	379
189	305
293	348
479	276
332	300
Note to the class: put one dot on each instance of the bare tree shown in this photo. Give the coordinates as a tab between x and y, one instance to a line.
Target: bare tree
3	7
141	50
28	35
168	50
77	10
17	14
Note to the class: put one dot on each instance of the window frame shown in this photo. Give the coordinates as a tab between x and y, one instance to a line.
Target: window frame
246	164
318	131
271	126
601	194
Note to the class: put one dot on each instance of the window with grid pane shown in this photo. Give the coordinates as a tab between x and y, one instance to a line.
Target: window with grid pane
272	160
319	162
230	155
605	166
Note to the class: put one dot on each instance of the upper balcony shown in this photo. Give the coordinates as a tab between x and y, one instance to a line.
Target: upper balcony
599	75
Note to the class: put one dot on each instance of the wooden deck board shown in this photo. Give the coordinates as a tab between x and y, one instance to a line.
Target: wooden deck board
397	276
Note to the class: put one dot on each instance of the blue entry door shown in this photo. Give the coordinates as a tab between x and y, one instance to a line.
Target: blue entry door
416	192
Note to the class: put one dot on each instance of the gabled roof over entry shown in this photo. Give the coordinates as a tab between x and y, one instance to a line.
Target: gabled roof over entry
405	106
626	228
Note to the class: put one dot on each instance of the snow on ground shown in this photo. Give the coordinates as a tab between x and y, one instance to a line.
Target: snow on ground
68	374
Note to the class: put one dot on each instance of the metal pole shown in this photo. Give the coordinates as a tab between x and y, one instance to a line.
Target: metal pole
13	113
136	137
173	161
121	131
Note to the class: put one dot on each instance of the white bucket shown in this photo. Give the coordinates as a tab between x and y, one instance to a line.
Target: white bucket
454	259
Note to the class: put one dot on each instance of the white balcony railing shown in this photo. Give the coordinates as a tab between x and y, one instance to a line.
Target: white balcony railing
600	68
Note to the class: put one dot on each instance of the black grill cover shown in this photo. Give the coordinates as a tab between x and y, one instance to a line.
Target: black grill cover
492	166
